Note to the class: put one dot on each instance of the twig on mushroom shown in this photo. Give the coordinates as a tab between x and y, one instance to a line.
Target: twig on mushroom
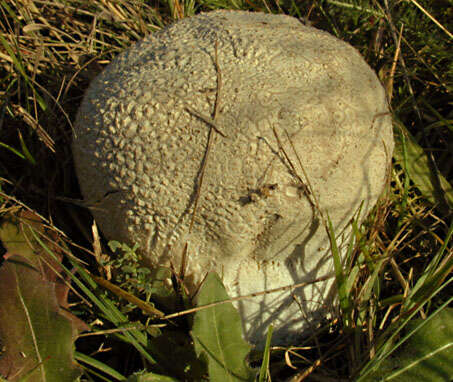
287	287
212	124
219	82
304	187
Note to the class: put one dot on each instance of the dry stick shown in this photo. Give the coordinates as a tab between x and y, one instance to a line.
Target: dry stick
288	287
73	77
310	187
34	124
291	351
219	82
305	189
200	183
144	306
212	124
335	347
120	330
301	376
205	119
389	83
397	273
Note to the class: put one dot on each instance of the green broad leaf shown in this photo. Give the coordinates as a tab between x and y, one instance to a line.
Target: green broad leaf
177	356
37	331
217	334
18	236
426	356
413	159
37	338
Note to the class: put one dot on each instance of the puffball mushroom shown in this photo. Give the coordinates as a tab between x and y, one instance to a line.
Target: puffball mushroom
302	130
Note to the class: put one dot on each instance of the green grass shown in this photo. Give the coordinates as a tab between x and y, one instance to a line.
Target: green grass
400	260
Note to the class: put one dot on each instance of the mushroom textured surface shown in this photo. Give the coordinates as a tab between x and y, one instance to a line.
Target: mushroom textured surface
302	129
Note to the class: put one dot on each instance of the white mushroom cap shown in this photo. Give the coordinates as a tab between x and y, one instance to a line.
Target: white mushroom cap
139	150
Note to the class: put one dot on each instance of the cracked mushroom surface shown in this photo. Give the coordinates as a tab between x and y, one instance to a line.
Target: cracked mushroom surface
304	127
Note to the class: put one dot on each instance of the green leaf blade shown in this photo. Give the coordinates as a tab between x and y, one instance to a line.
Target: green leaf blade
427	354
217	333
150	377
411	156
38	340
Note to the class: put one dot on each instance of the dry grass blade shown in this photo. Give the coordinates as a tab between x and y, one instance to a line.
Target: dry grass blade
307	190
306	373
212	125
432	18
35	125
428	65
145	307
389	82
137	326
251	295
209	121
211	138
